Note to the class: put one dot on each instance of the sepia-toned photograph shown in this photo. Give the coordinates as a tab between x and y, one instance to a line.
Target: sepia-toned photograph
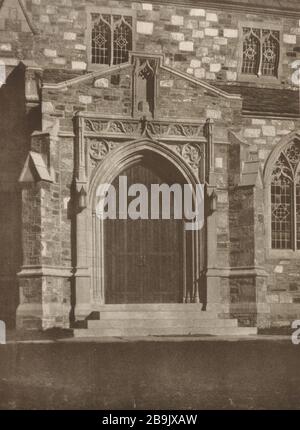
149	207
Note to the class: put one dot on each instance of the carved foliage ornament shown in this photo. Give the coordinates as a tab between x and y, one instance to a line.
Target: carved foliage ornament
99	149
191	153
136	128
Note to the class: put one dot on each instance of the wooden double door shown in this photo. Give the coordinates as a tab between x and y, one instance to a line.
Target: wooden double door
144	259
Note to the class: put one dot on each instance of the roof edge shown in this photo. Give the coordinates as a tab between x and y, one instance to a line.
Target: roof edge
238	6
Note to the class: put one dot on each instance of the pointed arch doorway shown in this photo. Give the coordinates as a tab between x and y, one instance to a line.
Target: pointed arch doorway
145	261
144	258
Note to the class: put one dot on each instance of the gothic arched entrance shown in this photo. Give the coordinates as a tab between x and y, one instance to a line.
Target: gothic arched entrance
143	258
150	261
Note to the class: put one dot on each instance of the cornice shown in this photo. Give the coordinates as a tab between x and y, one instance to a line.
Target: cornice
235	6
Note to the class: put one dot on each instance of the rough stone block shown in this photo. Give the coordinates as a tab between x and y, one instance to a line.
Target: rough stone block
47	107
147	6
215	67
197	12
230	63
50	52
198	34
195	63
213	114
44	19
263	154
80	47
186	46
231	76
70	36
177	36
79	65
290	38
60	61
220	40
101	83
213	17
222	198
278	269
260	141
210	75
144	27
252	132
213	32
167	83
177	20
230	32
199	73
86	100
258	121
202	51
5	47
269	130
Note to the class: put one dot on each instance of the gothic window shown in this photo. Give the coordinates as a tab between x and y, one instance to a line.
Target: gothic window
270	52
122	38
111	38
260	52
251	50
101	39
285	199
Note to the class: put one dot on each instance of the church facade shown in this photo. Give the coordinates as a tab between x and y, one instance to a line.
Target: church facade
164	92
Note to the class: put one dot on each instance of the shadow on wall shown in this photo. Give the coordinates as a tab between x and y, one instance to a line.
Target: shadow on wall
16	125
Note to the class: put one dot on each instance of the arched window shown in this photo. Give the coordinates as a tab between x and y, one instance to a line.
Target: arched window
285	198
101	39
261	51
111	38
251	50
122	38
270	53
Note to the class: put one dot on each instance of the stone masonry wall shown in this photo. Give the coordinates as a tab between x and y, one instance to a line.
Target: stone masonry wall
202	42
199	41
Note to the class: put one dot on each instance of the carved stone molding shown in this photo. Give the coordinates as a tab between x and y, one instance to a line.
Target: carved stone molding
192	153
97	137
135	128
98	149
100	126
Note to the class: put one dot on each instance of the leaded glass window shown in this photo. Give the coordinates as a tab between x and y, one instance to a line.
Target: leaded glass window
122	43
285	198
260	51
251	50
111	38
101	39
270	52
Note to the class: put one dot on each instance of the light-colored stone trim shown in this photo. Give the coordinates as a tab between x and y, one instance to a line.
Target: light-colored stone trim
114	69
230	272
40	271
201	83
28	20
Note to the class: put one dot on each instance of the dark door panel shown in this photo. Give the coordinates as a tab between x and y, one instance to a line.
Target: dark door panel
143	258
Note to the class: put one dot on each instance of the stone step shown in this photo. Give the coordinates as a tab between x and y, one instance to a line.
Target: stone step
152	307
162	323
164	331
158	315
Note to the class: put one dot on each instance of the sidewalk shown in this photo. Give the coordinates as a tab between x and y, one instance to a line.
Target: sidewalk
259	372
